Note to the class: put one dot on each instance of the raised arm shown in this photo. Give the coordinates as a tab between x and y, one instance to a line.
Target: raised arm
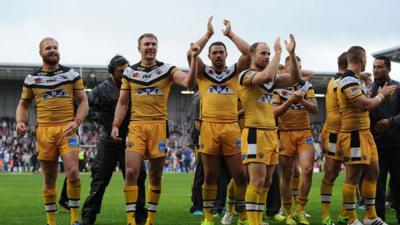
188	80
285	80
201	43
271	70
244	60
242	45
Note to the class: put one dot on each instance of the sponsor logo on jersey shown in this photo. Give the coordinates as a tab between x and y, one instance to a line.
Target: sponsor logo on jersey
153	91
265	99
296	107
219	89
54	94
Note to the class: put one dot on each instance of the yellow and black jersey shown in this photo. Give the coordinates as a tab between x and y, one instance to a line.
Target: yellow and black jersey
332	122
218	93
53	93
350	87
256	101
296	117
149	90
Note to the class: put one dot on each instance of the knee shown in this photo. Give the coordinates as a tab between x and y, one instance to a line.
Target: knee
331	175
307	171
155	178
50	181
286	176
257	181
131	175
73	174
372	174
240	179
210	178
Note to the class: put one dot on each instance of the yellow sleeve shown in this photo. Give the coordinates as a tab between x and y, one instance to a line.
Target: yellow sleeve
310	93
174	69
125	84
247	77
276	99
27	93
78	84
352	91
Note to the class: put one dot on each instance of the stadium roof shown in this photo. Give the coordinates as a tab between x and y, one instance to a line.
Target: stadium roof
392	53
18	72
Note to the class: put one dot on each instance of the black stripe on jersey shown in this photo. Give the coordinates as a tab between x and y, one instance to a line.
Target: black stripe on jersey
348	85
252	136
354	139
167	130
152	81
223	80
61	69
251	156
338	75
332	138
51	86
242	77
138	66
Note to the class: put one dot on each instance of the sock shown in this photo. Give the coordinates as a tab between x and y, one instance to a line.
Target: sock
153	196
349	201
295	187
240	194
74	194
369	193
342	211
49	200
231	197
326	195
209	196
261	204
301	201
253	195
131	195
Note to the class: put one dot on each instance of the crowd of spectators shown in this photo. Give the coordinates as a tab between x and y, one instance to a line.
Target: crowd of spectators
18	154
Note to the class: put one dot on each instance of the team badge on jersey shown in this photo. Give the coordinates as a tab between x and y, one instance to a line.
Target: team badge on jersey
219	89
154	91
238	143
161	146
354	91
310	140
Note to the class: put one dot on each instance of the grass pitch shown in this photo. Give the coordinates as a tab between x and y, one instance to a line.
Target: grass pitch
21	201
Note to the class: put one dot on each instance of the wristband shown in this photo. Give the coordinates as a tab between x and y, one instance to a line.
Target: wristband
379	97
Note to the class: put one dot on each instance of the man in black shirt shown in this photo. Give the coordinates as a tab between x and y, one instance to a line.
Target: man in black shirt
385	126
102	101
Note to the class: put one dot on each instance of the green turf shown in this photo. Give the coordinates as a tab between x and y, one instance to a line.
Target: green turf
21	201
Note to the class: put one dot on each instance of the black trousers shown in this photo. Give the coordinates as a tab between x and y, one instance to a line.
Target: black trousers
222	185
389	162
274	194
108	155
